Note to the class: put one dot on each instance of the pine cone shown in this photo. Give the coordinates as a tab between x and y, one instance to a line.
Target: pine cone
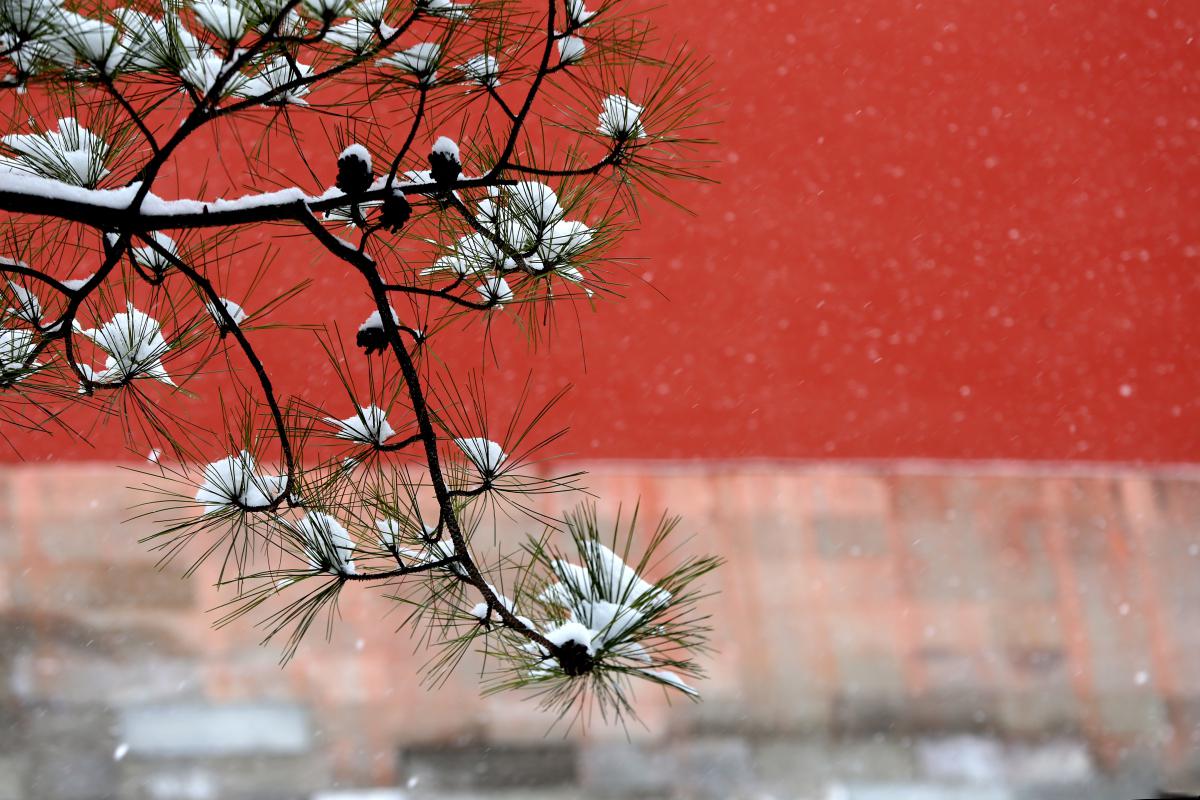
354	173
444	162
395	212
371	340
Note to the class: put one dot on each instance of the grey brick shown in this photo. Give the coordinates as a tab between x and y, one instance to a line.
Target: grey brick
250	778
917	791
71	750
970	759
627	770
473	765
1138	713
809	765
1048	763
193	730
1053	709
712	769
92	677
13	770
847	536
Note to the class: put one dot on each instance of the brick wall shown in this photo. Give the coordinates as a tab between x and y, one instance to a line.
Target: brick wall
867	616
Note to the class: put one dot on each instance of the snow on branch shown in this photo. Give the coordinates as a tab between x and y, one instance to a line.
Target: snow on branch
443	162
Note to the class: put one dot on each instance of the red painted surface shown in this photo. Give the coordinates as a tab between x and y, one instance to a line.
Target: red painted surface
949	229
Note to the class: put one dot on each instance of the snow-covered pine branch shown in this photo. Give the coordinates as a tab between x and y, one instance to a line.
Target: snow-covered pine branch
453	160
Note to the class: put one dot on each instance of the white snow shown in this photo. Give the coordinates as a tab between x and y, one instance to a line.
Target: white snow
135	347
495	290
564	240
369	426
609	624
421	60
446	9
486	455
376	321
70	154
618	582
482	612
634	651
572	632
76	37
574	585
322	8
445	146
389	533
279	197
570	49
292	24
577	14
201	71
16	345
26	56
535	200
235	481
326	542
28	307
226	20
417	177
357	151
610	621
154	43
670	679
455	264
389	530
370	11
75	284
440	550
356	35
473	253
526	217
574	276
52	189
621	118
152	206
150	258
235	311
276	73
483	69
606	595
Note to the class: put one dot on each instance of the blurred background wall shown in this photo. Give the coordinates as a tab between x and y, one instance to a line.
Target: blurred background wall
888	630
952	231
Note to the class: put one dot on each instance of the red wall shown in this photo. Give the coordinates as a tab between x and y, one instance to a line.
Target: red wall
947	229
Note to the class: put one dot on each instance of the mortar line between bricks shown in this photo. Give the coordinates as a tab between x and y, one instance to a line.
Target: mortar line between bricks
33	560
1162	665
750	636
979	634
918	467
1071	612
910	623
820	597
